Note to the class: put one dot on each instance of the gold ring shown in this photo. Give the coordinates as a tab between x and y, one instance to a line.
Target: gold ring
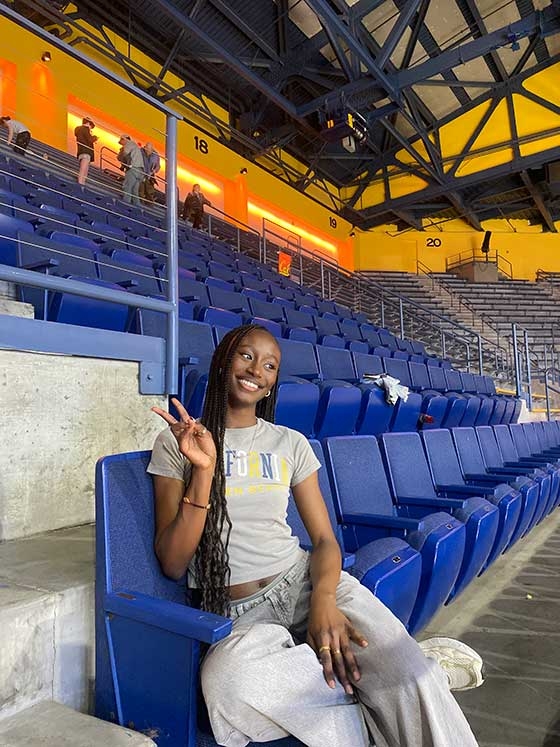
324	648
335	651
203	431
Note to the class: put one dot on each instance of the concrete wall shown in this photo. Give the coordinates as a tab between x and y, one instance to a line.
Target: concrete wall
59	415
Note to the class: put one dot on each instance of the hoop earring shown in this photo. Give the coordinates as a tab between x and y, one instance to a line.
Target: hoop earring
267	394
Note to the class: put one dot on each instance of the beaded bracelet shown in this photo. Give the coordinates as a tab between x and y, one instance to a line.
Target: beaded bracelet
196	505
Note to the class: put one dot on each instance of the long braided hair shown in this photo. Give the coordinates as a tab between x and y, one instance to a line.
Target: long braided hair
211	558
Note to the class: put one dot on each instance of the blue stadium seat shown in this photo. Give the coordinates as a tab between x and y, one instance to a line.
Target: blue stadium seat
449	482
411	481
145	633
9	229
495	464
474	470
390	568
37	253
133	272
367	513
512	458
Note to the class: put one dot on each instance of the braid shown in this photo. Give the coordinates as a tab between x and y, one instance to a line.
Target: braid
211	559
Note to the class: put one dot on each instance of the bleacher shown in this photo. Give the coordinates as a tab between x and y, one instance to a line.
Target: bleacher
448	481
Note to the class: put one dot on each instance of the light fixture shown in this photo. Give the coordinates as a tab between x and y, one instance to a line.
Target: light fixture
46	57
352	234
243	170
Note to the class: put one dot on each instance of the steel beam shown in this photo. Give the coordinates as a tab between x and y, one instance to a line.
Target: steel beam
464	211
538	200
396	33
245	28
327	16
545	23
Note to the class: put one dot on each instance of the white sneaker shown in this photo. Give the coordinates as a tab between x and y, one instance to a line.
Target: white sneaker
462	665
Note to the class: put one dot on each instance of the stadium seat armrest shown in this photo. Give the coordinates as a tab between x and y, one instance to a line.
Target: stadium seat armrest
348	560
381	520
466	489
474	477
170	616
190	360
190	298
431	502
44	264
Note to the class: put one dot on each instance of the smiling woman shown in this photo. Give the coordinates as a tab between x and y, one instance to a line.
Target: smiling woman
298	660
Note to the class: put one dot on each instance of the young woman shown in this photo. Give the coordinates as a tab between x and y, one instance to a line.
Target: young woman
312	652
85	152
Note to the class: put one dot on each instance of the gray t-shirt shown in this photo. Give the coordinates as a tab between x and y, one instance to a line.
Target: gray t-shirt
261	463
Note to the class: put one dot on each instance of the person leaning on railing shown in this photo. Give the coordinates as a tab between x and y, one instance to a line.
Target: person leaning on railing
18	134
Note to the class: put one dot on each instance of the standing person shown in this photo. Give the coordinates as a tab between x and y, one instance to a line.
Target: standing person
85	152
193	208
152	165
130	155
18	134
312	652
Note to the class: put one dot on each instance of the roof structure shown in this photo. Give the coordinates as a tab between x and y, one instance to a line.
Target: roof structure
458	114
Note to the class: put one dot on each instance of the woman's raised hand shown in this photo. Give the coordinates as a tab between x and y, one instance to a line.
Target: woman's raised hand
195	441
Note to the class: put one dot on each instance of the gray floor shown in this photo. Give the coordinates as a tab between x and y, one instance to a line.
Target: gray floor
511	616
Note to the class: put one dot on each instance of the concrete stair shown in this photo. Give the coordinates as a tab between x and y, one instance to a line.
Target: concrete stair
51	724
46	619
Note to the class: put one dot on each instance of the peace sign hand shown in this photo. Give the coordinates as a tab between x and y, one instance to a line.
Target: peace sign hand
194	440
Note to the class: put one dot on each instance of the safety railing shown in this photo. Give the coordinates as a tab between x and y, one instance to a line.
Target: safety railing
454	261
548	386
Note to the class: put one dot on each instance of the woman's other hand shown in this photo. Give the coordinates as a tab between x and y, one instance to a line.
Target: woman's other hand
194	440
329	633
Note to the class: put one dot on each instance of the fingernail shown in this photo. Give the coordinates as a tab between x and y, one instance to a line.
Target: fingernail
356	675
349	690
332	684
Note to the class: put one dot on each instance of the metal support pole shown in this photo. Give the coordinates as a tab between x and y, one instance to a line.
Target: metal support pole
528	369
518	386
401	318
546	394
238	239
443	350
468	356
382	310
300	269
172	350
263	258
480	365
322	268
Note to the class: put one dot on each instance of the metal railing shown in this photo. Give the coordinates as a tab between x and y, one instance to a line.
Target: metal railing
460	259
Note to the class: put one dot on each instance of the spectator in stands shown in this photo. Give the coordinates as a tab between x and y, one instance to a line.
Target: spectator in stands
85	152
152	165
193	208
130	155
18	134
221	496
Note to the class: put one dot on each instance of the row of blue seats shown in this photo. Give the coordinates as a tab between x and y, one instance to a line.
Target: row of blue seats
322	392
416	529
212	301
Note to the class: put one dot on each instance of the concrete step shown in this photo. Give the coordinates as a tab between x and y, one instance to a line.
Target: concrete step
50	724
47	620
16	308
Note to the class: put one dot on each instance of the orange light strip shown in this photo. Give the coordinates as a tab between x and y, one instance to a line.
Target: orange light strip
307	235
110	140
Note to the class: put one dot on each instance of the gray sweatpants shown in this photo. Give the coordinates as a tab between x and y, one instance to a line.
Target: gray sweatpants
264	682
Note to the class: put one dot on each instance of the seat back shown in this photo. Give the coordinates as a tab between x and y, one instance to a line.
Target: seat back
348	456
468	451
294	519
326	326
505	443
419	378
437	378
489	447
335	363
468	382
532	438
453	379
442	458
398	369
298	359
367	364
126	525
407	467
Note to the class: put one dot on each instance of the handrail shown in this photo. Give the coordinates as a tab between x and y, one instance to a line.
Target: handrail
477	255
236	223
548	388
